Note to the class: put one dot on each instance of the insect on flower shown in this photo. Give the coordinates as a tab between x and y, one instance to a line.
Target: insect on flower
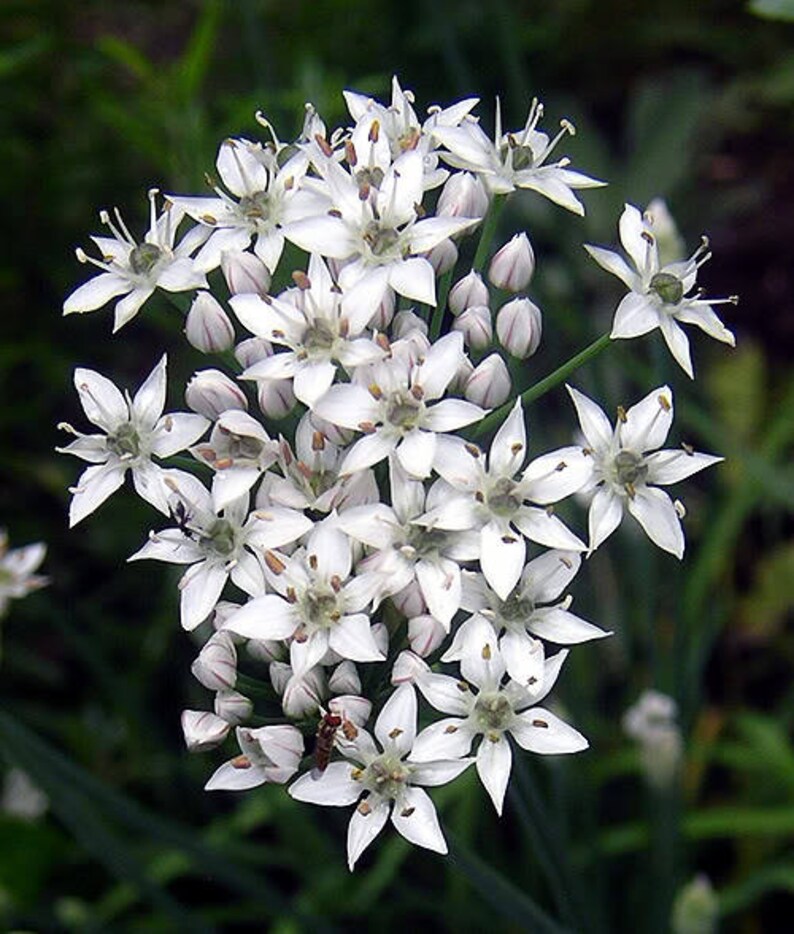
324	743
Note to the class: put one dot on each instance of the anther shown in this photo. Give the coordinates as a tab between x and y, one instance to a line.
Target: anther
274	563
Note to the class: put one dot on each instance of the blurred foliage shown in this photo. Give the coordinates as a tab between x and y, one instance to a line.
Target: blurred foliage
692	102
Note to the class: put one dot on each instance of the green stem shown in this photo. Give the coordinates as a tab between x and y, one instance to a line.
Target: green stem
441	304
544	385
488	230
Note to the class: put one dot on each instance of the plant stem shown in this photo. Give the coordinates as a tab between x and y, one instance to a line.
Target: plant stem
488	230
441	303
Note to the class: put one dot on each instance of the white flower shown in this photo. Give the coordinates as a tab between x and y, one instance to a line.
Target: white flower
626	475
516	160
135	270
385	780
218	546
134	430
17	566
660	296
268	754
494	501
492	712
395	411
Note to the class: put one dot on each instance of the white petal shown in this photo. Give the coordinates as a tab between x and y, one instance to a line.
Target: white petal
456	465
328	236
564	628
364	827
231	777
374	524
539	730
176	432
149	482
523	657
440	365
545	577
414	278
451	414
312	380
538	526
494	761
348	406
438	772
129	306
102	402
444	739
666	467
655	512
595	425
396	723
334	787
352	638
439	581
267	617
95	485
416	819
678	343
502	557
509	446
553	476
632	228
446	694
367	451
96	292
634	316
703	316
606	511
648	422
431	231
200	590
416	452
481	661
613	263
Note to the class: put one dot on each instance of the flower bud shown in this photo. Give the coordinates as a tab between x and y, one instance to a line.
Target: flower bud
668	239
512	267
518	326
425	635
409	601
303	695
476	326
463	195
216	665
489	384
280	673
405	322
207	326
252	350
276	398
233	707
384	312
265	650
443	257
345	679
211	392
351	707
409	669
466	292
244	273
696	908
462	374
203	730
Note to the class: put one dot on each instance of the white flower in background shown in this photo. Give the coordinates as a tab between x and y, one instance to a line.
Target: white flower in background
522	615
135	430
386	781
652	722
382	237
266	196
268	754
516	160
492	712
319	327
17	570
21	798
660	296
218	546
494	501
135	270
317	604
397	411
626	468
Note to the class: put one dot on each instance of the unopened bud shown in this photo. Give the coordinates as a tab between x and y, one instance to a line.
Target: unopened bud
489	384
211	392
443	257
696	908
252	350
384	312
345	679
476	326
276	398
207	326
265	650
203	730
462	374
380	634
512	267
352	707
464	195
405	322
233	707
216	665
425	635
303	695
518	326
467	292
408	669
244	273
409	601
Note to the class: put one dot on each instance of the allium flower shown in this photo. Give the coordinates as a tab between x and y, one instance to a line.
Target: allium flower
269	754
135	270
17	567
385	780
134	431
492	712
660	296
626	475
516	160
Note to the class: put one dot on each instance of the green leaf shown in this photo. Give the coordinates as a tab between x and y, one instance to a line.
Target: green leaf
767	605
773	9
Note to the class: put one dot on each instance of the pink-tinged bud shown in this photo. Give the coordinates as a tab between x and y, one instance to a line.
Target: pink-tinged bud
512	267
443	257
409	601
468	292
405	322
464	195
203	730
345	679
244	273
476	326
233	707
216	665
207	326
351	707
280	673
518	325
462	374
381	636
425	635
276	398
303	695
252	350
489	384
384	312
265	650
211	392
409	669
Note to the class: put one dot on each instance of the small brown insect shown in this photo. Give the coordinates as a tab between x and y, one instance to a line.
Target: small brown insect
324	742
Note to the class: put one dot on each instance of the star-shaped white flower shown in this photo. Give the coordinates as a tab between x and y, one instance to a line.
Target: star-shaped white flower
134	269
17	567
386	781
627	469
134	431
268	754
660	296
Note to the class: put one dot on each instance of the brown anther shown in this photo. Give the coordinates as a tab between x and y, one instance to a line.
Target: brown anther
395	733
417	392
356	774
334	212
508	539
289	183
375	391
630	489
292	597
531	680
549	510
647	237
473	450
664	402
349	730
223	463
540	723
410	140
451	729
241	762
462	686
300	279
286	453
277	333
300	635
209	455
336	583
364	809
561	466
364	189
374	131
350	153
479	496
383	342
621	414
367	427
318	441
274	563
407	812
588	452
313	562
208	219
516	448
305	470
486	652
566	562
324	145
344	327
688	449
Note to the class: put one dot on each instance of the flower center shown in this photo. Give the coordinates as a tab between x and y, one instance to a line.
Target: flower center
243	448
503	499
668	287
403	411
380	240
515	609
493	713
387	776
629	470
144	257
222	537
256	207
320	608
319	336
125	442
523	156
425	541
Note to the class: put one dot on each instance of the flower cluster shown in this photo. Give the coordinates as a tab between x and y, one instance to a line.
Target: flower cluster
343	536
